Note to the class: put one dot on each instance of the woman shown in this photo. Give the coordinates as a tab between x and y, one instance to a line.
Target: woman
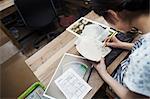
132	79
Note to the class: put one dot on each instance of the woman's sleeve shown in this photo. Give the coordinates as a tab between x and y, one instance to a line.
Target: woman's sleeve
137	77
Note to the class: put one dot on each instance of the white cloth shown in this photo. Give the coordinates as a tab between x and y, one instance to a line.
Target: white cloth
137	75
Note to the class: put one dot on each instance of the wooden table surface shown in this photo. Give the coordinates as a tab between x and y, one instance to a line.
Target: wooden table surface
4	4
44	62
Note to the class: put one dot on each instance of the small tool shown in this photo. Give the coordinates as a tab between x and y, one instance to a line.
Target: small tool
92	67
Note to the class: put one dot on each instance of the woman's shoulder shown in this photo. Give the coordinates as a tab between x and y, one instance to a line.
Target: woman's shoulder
144	40
147	36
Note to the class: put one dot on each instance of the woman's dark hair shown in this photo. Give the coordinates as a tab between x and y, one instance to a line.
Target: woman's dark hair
101	6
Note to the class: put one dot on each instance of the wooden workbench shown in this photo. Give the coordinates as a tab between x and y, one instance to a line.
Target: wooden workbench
4	4
45	61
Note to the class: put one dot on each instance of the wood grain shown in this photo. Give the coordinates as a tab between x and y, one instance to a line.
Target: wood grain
3	38
4	4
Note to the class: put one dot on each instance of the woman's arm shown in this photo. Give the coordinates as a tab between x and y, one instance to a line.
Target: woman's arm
119	89
125	45
118	44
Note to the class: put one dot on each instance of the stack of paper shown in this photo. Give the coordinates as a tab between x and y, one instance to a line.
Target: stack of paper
89	43
90	35
72	85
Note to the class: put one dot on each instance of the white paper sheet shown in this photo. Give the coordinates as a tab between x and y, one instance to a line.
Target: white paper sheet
72	85
92	49
90	36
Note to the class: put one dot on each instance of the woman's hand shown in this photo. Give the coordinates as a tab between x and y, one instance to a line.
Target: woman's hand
115	43
101	67
119	89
